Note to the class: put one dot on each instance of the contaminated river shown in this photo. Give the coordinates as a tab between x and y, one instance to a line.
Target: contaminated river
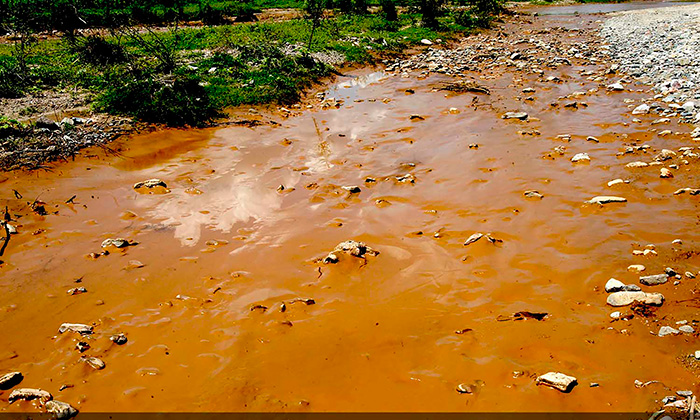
227	306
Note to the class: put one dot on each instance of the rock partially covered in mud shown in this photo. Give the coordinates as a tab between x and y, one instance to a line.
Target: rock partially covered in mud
119	339
116	242
150	183
556	380
628	298
61	410
10	380
76	328
28	394
654	279
354	248
605	199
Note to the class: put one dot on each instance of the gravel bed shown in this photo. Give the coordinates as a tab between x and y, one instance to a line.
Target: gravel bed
659	46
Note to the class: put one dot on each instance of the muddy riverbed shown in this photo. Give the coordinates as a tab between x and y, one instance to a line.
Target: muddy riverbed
226	303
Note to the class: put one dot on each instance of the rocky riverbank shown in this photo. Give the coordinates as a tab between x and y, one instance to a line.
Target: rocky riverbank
661	47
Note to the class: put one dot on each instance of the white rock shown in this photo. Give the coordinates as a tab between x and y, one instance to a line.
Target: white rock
614	285
641	109
605	199
581	157
686	329
616	87
636	267
77	328
666	330
556	380
426	41
637	164
615	182
627	298
29	394
615	315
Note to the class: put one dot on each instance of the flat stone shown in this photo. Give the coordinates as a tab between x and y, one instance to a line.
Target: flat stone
616	87
556	380
653	280
605	199
666	330
10	380
76	328
60	410
615	182
515	115
627	298
28	394
637	164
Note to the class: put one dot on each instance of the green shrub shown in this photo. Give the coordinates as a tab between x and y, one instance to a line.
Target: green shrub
10	127
12	83
177	102
96	50
469	19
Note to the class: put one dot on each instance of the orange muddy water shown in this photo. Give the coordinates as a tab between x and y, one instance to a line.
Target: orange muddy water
226	242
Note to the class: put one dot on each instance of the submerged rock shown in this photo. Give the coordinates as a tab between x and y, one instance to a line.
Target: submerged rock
354	248
465	389
28	394
150	183
10	380
94	362
61	410
556	380
77	328
115	242
119	339
533	194
628	298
